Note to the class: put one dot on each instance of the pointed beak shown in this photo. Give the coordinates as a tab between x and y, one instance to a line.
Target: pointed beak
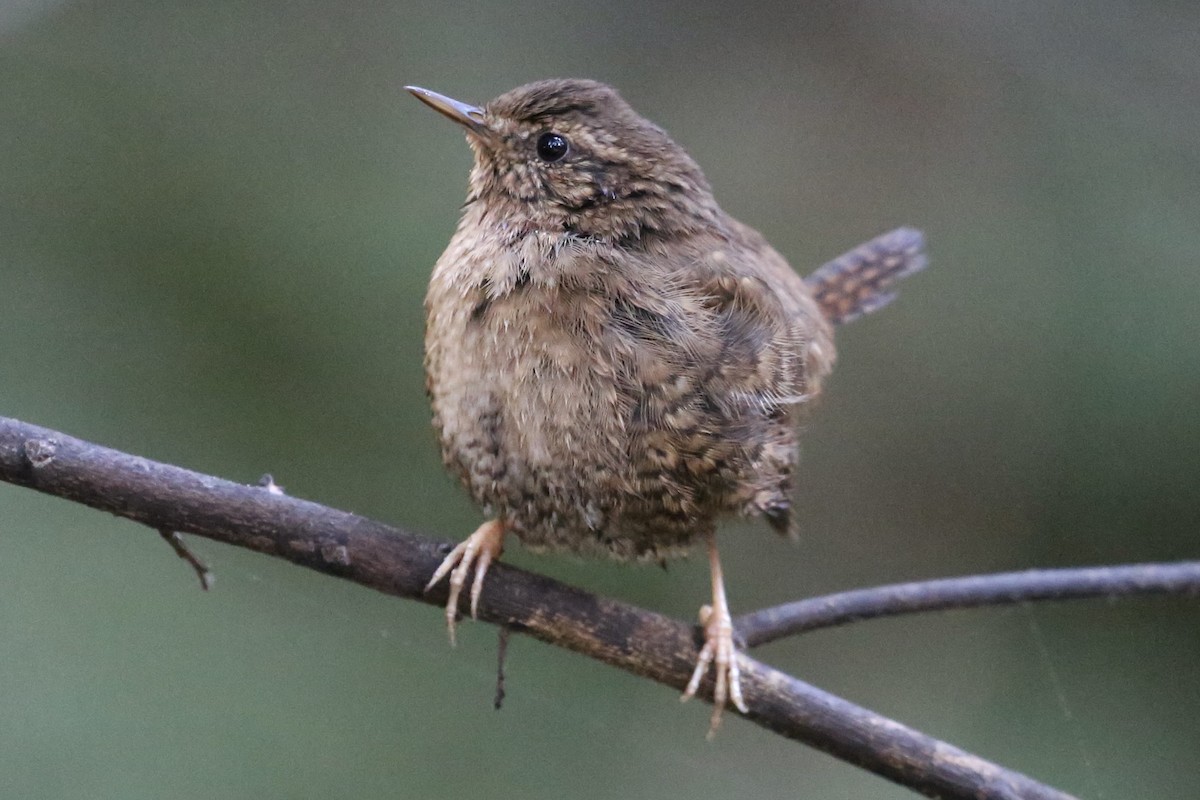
465	114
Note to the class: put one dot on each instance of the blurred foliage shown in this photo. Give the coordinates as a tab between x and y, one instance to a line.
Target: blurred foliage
216	224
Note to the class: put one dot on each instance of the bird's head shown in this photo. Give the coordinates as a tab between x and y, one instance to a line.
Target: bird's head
572	156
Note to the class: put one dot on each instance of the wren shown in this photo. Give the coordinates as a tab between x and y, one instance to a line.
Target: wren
614	362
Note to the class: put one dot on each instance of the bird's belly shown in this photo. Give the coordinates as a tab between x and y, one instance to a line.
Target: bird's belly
531	418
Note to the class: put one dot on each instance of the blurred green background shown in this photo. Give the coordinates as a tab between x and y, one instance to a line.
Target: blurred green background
216	224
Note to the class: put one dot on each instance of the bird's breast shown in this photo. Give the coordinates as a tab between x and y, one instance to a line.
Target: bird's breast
525	401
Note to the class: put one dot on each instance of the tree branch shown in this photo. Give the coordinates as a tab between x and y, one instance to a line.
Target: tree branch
399	562
971	591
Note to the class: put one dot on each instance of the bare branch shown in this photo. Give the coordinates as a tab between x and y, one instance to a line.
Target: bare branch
971	591
399	562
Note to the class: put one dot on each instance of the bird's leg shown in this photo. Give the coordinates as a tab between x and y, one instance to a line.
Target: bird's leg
478	549
718	649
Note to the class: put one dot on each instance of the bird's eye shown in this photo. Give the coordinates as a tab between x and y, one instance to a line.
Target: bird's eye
552	146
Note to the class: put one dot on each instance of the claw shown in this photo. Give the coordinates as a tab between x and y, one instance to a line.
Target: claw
719	651
478	550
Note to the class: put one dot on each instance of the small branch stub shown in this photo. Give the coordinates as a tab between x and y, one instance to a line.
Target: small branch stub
39	452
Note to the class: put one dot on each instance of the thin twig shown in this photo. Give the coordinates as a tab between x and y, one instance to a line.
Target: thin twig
398	562
971	591
201	569
501	655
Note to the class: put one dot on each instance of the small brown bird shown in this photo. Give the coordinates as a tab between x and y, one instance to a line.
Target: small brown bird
613	361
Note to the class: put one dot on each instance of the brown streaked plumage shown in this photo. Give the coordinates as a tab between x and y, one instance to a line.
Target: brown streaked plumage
614	363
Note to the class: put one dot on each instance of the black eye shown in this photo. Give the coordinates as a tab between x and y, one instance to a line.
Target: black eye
552	146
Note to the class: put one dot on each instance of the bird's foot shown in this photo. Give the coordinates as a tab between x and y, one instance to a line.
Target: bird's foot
478	550
719	651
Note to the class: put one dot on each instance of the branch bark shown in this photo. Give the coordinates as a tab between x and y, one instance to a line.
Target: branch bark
398	562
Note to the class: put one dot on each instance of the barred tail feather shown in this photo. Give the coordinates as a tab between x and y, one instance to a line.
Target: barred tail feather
860	281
